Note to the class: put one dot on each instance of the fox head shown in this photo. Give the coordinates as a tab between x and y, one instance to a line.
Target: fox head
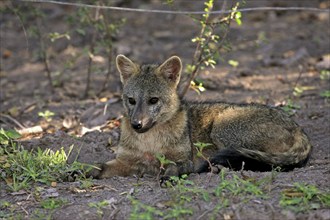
149	91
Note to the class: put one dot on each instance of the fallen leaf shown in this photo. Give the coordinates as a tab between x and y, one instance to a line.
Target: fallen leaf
292	193
76	190
226	216
104	99
31	130
6	54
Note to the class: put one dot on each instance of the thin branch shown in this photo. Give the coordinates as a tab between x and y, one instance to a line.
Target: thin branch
44	55
109	68
109	50
197	62
196	58
23	27
298	79
13	120
91	54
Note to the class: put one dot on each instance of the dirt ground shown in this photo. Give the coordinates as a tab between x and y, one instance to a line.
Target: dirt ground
276	52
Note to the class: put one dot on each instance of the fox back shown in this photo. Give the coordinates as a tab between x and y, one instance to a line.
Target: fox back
263	137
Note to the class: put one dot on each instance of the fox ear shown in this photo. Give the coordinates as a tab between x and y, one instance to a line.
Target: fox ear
126	68
171	69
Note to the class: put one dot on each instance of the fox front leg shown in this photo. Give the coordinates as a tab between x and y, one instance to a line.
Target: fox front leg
115	168
177	169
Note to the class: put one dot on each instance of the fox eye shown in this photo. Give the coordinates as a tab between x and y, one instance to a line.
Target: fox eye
131	101
153	100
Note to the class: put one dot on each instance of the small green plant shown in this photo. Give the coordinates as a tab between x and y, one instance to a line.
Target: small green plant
182	193
197	86
47	115
86	183
8	137
209	42
52	203
200	147
56	36
40	214
304	197
178	212
298	90
233	63
99	206
261	39
325	94
238	186
4	204
325	74
163	162
290	107
143	211
15	183
23	168
7	210
7	140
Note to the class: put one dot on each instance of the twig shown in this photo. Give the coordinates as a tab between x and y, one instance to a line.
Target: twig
13	120
203	214
90	57
298	79
23	27
26	212
107	76
113	213
110	51
89	69
44	55
206	159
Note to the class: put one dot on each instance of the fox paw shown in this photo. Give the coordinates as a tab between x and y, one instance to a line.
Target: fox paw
95	172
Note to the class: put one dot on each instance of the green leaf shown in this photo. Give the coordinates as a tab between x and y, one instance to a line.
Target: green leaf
190	68
81	31
233	63
325	94
238	16
325	74
12	134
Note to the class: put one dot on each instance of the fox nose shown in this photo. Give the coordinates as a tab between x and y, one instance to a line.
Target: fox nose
137	125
